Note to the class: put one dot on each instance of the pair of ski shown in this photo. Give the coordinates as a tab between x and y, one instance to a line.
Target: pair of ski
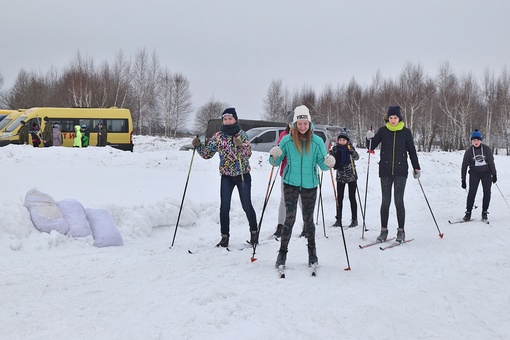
471	220
281	270
389	246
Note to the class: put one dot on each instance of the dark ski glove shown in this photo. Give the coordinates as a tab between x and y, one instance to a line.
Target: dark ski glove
463	184
494	178
196	142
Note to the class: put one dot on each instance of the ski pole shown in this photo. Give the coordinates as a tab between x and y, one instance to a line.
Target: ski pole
183	195
321	206
366	188
440	233
268	193
497	186
343	235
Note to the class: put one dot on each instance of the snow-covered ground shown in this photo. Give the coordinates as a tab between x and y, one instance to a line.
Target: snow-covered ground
56	287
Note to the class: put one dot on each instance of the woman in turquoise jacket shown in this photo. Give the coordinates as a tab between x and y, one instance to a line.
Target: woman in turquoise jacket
304	151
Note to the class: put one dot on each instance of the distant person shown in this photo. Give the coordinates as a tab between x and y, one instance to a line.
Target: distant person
47	135
23	133
234	149
396	143
57	135
102	135
305	152
345	154
36	139
478	157
77	136
85	136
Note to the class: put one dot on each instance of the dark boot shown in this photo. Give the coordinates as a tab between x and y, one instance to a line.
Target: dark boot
312	255
278	231
401	235
224	241
354	222
383	236
254	237
467	217
484	215
338	223
281	258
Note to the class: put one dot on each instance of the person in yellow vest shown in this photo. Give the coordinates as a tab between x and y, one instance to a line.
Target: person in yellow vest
77	136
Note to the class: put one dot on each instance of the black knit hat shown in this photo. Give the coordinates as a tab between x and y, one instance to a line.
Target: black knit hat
230	112
343	134
395	111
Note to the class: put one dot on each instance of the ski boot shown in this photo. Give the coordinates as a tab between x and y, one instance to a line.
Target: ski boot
281	258
354	222
401	235
254	237
312	255
484	215
383	236
338	223
278	231
467	216
224	241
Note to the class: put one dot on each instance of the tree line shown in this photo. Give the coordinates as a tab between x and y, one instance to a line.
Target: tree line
441	110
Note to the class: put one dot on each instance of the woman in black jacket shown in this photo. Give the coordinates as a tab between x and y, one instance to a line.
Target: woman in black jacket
396	143
478	157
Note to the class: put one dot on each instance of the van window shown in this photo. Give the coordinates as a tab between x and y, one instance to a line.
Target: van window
267	137
321	135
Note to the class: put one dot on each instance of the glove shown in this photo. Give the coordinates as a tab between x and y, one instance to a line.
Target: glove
349	148
237	141
416	173
494	178
370	134
275	151
330	161
196	142
463	184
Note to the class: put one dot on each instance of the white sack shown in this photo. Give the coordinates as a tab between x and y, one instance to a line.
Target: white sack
74	214
103	228
44	212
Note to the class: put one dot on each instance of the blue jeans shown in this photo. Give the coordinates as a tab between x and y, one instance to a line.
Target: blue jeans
244	187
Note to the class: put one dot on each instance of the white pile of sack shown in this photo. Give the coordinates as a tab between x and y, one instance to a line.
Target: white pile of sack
69	217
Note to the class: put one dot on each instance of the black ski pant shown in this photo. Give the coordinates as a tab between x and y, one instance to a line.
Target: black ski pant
399	184
352	199
474	180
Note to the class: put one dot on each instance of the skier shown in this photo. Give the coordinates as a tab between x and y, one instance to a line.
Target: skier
23	133
36	139
304	151
396	142
85	136
234	149
57	135
102	135
478	157
77	136
345	154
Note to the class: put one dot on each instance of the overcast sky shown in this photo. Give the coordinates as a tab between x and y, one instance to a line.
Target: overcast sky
232	49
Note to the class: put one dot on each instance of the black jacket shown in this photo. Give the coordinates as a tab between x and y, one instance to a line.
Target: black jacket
485	160
395	145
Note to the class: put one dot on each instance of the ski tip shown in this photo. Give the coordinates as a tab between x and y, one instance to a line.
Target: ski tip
253	259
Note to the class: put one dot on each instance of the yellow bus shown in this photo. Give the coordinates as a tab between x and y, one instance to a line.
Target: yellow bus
10	118
118	123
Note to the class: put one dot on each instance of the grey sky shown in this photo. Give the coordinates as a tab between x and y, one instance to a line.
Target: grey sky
233	49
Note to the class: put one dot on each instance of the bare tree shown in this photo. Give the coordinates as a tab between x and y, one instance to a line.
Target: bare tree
79	81
503	108
120	79
140	89
489	98
274	103
211	109
29	90
181	103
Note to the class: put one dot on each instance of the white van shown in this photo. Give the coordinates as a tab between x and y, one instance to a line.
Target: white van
264	138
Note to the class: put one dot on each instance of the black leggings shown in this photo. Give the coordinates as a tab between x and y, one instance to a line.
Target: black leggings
352	199
399	183
474	181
